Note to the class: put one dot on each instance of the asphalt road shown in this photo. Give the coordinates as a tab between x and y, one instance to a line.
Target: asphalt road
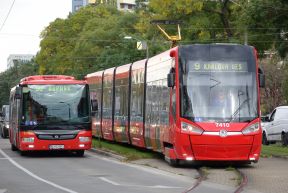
58	172
63	172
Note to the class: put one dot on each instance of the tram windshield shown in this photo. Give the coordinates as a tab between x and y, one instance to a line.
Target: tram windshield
218	83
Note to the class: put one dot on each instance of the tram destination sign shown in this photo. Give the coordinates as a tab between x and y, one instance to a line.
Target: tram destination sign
215	66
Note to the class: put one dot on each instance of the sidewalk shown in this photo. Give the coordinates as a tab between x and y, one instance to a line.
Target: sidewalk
269	175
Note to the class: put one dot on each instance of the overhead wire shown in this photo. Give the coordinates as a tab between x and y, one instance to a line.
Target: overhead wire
70	39
4	22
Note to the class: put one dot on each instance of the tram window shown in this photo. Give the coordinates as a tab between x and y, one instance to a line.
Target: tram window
174	103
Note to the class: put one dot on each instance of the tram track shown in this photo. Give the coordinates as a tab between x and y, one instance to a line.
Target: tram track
203	175
244	181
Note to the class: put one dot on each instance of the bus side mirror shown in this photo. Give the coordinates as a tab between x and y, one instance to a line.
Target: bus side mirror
261	78
18	93
171	80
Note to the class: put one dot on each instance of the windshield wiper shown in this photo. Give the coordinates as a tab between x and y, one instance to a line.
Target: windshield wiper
238	109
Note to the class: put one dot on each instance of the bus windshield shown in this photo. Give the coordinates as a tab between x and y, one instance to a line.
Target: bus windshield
218	83
55	104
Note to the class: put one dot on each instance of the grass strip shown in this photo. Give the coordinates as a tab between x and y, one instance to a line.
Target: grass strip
274	150
128	151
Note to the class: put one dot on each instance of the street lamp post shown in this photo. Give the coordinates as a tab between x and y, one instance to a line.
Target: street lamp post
141	45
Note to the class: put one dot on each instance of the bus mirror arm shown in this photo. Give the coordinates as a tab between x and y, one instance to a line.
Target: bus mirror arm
171	79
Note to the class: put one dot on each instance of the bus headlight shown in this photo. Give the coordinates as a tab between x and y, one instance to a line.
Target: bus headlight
84	139
28	139
7	126
190	129
251	129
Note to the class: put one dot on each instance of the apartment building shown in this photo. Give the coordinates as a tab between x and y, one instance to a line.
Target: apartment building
77	4
123	5
14	59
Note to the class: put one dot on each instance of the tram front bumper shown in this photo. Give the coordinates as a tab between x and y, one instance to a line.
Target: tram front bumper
230	148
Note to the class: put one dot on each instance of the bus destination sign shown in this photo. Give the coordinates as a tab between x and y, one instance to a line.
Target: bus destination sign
52	88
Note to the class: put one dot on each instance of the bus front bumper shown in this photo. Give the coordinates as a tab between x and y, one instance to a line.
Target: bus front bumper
82	141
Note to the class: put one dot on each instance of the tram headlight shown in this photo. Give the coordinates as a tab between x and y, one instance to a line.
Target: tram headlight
251	129
190	129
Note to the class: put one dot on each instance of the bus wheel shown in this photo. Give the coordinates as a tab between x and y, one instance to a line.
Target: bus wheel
80	153
13	147
23	153
264	139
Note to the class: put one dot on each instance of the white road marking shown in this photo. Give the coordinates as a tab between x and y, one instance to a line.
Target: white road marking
35	176
109	181
146	169
3	190
155	187
141	186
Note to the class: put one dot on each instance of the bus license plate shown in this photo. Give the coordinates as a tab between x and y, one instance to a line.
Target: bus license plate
56	146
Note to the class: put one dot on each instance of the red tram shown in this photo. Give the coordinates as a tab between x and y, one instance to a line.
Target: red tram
168	103
50	112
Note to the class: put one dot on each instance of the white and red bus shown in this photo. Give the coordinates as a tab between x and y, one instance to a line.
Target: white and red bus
167	103
50	112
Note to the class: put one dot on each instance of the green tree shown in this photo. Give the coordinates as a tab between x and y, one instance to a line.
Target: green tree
267	24
12	77
208	21
95	42
60	37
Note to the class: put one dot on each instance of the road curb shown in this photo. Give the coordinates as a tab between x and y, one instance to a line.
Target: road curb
275	156
279	156
107	153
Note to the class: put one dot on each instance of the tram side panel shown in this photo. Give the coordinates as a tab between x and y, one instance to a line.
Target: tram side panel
108	106
136	131
121	119
157	102
95	84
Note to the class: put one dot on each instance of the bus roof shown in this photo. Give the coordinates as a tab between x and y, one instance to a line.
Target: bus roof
51	79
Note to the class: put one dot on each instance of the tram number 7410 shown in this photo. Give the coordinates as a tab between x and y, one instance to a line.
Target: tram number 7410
223	125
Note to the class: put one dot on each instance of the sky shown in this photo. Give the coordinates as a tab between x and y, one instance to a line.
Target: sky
27	18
